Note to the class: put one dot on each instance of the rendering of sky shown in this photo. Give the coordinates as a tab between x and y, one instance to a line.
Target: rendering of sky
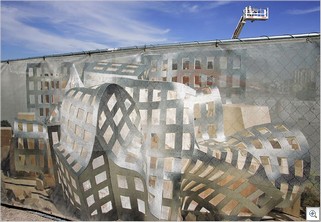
40	28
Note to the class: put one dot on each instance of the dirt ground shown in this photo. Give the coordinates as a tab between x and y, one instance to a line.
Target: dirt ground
13	214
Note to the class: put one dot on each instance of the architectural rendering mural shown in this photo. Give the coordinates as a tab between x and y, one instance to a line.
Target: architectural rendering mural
164	136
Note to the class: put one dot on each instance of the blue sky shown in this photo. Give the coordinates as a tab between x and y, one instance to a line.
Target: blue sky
39	28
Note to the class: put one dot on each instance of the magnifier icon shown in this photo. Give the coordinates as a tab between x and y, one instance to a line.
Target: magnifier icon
312	213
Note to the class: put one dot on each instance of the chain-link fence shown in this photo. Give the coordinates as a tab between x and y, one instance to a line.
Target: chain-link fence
269	80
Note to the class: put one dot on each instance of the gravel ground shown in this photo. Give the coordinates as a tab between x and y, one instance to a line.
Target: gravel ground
13	214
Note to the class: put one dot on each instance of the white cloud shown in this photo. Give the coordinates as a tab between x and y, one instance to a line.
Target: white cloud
303	11
180	8
217	4
16	32
76	26
116	21
188	7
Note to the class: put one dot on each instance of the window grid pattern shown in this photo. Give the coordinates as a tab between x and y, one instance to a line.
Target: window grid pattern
223	70
149	98
107	68
168	135
86	180
231	185
208	115
31	147
45	88
167	128
130	193
120	137
97	189
74	152
69	184
284	154
78	128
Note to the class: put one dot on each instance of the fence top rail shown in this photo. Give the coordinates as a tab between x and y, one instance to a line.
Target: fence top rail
171	45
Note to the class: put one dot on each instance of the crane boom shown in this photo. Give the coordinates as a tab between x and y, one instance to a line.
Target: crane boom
251	14
239	28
